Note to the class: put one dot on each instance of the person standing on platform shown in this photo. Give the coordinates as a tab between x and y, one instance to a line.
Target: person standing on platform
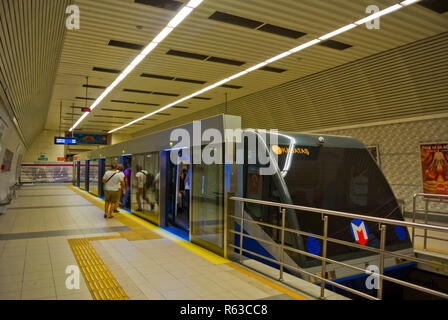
141	186
113	180
122	187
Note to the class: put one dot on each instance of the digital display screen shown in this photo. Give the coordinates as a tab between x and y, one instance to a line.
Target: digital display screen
62	140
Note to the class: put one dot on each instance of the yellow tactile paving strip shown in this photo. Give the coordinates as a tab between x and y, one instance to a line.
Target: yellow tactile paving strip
100	281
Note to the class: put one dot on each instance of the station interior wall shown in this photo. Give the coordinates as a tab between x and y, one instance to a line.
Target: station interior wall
10	142
44	145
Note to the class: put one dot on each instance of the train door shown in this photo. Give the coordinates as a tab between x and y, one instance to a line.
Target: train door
82	175
87	176
177	194
207	206
74	173
101	171
78	174
126	161
145	189
93	177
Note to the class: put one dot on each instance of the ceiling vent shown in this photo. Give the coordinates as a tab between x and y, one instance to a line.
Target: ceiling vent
190	80
84	98
93	86
231	86
126	45
156	76
333	44
439	6
254	24
270	28
272	69
118	110
187	54
202	98
166	94
235	20
226	61
162	4
148	104
106	70
137	91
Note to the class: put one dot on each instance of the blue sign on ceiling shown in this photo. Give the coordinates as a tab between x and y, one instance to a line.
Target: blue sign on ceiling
62	140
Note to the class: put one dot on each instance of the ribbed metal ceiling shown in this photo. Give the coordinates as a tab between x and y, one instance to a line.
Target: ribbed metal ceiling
31	39
105	20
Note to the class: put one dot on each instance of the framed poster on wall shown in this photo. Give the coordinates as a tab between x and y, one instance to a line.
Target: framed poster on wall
434	162
375	153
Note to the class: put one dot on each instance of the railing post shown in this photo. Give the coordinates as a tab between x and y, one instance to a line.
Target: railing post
282	253
241	231
382	248
426	222
324	257
413	218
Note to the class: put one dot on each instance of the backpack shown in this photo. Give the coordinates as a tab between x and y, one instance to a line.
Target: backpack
149	179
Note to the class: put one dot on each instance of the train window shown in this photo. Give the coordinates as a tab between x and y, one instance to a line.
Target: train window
340	179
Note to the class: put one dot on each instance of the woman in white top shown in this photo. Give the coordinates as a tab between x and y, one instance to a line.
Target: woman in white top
113	181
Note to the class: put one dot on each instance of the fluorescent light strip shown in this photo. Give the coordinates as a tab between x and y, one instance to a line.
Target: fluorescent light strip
338	31
178	18
278	57
409	2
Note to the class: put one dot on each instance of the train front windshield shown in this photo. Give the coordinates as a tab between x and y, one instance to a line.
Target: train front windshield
340	179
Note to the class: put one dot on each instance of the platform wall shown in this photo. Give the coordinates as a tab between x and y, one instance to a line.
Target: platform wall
11	153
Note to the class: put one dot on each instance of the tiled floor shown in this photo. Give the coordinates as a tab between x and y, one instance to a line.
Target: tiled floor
34	267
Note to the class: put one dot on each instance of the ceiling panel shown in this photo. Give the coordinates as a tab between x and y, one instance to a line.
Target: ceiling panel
31	40
105	20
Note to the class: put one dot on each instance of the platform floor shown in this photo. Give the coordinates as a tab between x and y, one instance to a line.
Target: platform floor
47	229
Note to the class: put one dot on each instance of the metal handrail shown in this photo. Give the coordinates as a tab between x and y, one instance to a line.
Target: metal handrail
324	260
427	197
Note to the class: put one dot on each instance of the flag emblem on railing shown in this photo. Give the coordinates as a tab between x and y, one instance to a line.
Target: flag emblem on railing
359	231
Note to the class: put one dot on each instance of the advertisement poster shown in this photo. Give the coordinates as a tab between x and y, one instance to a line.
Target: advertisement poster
434	159
88	138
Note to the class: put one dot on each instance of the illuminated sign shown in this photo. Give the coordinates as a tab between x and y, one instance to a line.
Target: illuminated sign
359	231
298	150
62	140
85	109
